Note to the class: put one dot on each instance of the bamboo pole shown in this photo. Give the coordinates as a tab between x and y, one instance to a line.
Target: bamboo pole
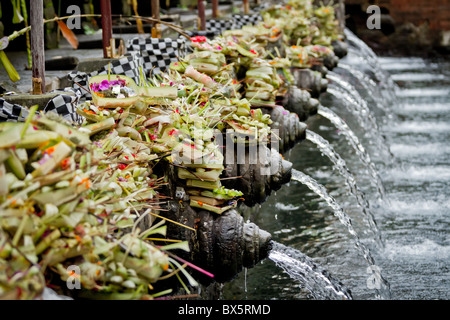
246	6
105	7
37	46
215	8
156	29
201	14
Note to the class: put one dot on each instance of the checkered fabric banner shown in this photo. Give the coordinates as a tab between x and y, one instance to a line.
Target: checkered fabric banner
12	112
157	54
240	20
126	66
62	104
65	105
216	26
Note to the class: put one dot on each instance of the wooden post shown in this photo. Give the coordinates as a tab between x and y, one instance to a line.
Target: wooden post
105	7
156	29
246	7
37	46
215	8
201	14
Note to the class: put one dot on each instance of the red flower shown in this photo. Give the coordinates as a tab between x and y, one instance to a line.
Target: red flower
122	166
198	39
253	51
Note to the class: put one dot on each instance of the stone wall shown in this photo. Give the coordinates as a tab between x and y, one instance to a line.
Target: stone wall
407	26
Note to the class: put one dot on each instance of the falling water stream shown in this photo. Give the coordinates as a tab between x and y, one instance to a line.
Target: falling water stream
357	119
317	280
378	282
365	118
350	180
356	144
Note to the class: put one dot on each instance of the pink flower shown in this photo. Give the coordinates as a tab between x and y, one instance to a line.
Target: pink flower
104	85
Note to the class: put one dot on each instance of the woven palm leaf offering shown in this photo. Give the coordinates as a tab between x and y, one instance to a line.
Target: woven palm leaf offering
299	57
74	196
261	34
234	112
303	23
262	82
327	25
295	23
196	121
237	112
199	160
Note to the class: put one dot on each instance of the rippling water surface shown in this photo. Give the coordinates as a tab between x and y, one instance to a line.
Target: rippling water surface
414	217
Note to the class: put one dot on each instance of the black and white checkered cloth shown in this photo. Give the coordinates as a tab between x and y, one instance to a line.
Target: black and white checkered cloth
240	20
216	26
157	54
65	105
12	112
62	104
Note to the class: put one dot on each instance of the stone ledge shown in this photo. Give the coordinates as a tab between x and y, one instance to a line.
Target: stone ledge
28	100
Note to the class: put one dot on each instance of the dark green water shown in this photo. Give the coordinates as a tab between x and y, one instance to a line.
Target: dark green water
413	218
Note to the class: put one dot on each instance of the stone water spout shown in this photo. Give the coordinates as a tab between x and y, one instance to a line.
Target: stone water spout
310	80
223	244
227	244
340	48
258	178
299	101
289	126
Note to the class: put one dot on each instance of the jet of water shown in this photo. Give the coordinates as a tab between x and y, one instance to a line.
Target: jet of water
380	285
369	85
365	118
353	140
357	42
350	180
317	280
364	52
